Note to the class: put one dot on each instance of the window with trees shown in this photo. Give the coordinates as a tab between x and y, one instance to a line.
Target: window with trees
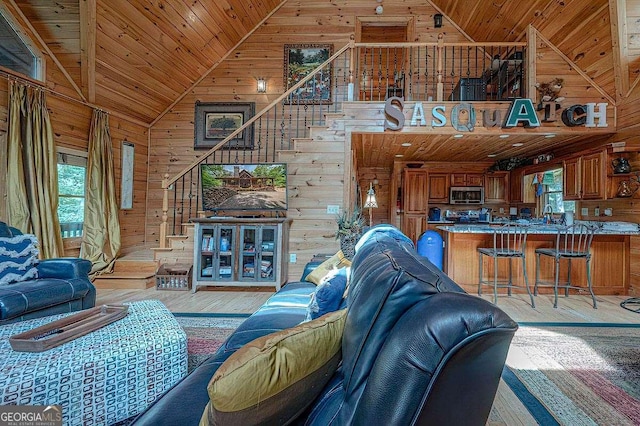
552	192
72	172
17	53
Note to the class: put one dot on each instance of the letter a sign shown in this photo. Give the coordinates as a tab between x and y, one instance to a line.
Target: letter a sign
522	110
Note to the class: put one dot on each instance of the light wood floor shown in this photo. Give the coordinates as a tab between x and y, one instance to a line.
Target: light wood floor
576	308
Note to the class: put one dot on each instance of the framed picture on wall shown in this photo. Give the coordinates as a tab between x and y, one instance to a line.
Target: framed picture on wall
215	121
299	61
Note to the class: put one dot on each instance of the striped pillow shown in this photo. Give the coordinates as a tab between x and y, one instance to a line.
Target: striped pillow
18	258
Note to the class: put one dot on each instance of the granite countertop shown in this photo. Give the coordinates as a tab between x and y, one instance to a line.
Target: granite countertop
534	229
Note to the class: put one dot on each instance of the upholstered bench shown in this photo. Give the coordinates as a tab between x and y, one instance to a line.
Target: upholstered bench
103	377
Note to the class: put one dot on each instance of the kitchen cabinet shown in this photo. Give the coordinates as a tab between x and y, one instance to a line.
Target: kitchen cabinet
467	179
496	187
593	176
413	225
240	252
516	185
584	177
414	190
438	187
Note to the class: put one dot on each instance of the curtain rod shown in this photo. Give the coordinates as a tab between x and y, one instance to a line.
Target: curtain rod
41	86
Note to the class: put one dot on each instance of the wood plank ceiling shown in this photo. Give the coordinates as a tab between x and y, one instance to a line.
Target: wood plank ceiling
148	53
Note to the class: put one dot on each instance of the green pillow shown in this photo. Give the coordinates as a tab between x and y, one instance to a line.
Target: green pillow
274	378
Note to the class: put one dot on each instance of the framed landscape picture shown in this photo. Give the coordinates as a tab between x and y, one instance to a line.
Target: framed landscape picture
299	61
216	121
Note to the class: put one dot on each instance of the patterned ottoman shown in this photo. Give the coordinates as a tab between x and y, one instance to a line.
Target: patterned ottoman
100	378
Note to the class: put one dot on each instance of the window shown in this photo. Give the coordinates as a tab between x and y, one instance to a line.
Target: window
552	192
16	51
72	172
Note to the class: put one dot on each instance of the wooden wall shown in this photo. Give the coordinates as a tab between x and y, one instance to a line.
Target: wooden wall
70	120
261	55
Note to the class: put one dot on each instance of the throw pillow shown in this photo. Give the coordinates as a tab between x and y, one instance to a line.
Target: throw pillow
274	378
336	261
18	258
328	295
5	231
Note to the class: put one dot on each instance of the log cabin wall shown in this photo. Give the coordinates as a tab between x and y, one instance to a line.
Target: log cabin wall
71	120
261	55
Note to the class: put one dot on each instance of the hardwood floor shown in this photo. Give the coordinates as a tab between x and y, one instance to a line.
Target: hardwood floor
225	300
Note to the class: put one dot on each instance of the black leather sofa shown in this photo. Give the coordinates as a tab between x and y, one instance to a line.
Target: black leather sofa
62	286
416	348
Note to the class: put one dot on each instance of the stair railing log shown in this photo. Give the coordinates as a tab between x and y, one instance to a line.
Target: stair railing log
365	72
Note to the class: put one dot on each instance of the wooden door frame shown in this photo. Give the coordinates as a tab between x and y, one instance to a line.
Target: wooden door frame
385	21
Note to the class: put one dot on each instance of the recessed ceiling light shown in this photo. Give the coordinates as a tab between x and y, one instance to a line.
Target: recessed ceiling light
517	144
458	136
492	155
504	136
550	135
406	144
399	155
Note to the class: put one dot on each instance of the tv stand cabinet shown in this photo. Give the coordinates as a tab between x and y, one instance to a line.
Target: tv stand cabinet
241	252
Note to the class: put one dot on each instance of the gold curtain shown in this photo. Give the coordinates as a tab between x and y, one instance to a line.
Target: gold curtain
32	169
101	231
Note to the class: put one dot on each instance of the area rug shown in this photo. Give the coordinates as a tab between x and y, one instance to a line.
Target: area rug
577	375
206	333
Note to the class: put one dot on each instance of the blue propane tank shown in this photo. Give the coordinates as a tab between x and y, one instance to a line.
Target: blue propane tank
430	246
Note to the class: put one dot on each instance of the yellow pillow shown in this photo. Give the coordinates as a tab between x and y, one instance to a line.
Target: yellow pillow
274	378
336	261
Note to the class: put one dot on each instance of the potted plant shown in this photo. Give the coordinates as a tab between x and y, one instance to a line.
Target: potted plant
350	228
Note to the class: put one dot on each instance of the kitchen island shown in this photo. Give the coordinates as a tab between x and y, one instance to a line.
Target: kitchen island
610	259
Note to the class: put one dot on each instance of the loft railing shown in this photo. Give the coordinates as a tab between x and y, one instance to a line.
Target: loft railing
357	72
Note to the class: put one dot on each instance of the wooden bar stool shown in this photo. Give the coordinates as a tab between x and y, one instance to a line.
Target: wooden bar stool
509	241
572	242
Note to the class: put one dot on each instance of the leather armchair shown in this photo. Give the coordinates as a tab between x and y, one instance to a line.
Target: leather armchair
62	285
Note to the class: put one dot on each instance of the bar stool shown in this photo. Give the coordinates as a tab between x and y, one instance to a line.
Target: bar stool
572	242
509	241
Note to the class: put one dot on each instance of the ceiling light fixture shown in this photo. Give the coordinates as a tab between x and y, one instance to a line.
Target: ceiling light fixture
550	135
406	144
399	155
492	155
517	144
458	136
504	136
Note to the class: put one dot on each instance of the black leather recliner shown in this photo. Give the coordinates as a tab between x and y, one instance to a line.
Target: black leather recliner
416	348
62	286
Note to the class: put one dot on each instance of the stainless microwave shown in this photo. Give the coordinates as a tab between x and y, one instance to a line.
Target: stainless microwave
466	195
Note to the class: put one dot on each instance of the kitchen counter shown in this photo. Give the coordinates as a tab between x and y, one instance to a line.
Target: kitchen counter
532	229
610	258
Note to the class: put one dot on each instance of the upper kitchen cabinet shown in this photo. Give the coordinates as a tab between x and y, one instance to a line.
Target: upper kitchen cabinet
585	177
438	187
415	191
516	184
467	179
496	187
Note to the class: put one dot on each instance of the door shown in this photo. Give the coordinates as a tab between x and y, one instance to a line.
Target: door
225	255
517	179
415	191
267	252
248	253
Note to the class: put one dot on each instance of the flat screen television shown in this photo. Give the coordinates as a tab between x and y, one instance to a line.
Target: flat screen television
244	186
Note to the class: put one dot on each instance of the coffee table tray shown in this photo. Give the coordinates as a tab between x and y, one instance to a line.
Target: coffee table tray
68	328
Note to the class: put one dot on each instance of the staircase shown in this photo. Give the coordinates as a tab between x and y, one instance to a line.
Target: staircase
129	274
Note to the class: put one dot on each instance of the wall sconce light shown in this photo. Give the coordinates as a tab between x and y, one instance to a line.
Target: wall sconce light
379	10
437	20
371	202
262	85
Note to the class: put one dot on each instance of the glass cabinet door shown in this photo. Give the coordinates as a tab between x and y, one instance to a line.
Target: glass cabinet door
267	253
207	253
225	255
248	255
